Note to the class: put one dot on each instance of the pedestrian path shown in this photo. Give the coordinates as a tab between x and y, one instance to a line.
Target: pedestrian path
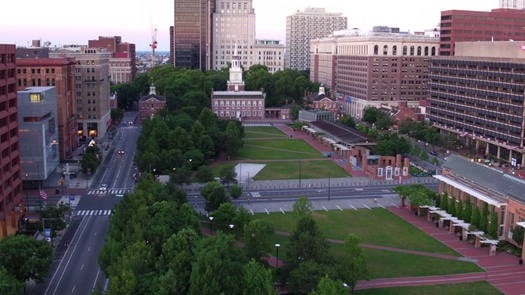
108	192
92	212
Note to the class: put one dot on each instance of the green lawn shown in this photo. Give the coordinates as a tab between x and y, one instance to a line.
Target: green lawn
309	170
388	264
377	226
277	150
263	132
474	288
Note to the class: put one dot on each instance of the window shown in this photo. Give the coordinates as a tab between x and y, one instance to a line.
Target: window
394	50
405	50
385	50
412	50
35	97
376	49
380	172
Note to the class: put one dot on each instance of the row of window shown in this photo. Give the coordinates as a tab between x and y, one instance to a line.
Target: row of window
238	103
35	70
419	50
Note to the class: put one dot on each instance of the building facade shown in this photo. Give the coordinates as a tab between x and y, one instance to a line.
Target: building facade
235	102
373	70
192	34
122	64
60	73
478	95
150	104
270	54
11	206
38	132
512	4
233	33
307	25
92	89
495	25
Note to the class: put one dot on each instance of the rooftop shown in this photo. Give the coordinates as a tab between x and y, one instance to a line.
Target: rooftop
485	177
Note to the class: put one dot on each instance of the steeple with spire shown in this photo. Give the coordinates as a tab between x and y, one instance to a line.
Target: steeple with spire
235	83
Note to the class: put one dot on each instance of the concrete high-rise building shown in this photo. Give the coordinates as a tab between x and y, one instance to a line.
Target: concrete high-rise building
122	64
478	96
494	25
192	35
303	26
11	206
60	73
269	53
92	89
373	70
512	4
38	132
233	33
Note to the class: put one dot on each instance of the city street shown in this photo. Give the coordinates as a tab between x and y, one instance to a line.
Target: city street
75	269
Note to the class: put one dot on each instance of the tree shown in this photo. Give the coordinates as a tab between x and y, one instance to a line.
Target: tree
348	121
303	279
484	218
257	280
353	265
25	258
493	225
518	233
227	175
475	219
89	162
215	195
204	174
370	114
328	286
459	208
452	206
467	212
232	139
307	243
235	191
257	238
302	206
8	284
444	202
217	255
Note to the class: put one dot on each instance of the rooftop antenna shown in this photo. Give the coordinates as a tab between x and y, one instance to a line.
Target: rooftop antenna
153	46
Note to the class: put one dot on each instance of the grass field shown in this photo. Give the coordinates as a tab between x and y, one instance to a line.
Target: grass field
309	169
474	288
277	149
376	226
263	132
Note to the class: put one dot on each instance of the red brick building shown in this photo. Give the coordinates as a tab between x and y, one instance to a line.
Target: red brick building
122	65
150	104
58	72
465	25
11	206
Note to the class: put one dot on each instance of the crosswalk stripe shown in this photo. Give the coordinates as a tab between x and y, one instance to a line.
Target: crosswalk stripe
106	212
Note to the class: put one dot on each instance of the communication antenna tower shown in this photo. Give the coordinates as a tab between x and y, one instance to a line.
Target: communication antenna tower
153	46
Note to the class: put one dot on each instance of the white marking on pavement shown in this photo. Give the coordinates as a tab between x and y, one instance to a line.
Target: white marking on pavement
89	249
73	290
366	206
96	278
251	211
82	266
338	207
359	189
325	209
267	212
282	211
353	207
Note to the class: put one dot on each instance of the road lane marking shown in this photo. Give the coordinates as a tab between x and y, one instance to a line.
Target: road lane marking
353	207
82	267
251	211
366	206
282	211
359	189
96	279
325	209
267	212
73	290
338	207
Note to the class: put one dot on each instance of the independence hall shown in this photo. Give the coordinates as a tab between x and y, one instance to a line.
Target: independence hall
478	94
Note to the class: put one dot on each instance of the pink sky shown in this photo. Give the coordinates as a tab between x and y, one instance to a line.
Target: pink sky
61	22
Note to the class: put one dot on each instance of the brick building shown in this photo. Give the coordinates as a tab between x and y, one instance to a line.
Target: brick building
478	95
235	102
122	64
465	25
60	73
11	206
373	70
150	104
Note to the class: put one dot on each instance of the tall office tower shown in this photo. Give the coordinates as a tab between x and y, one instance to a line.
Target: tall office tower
512	4
494	25
302	27
373	70
92	89
172	47
37	117
192	35
478	96
233	33
58	72
11	206
122	64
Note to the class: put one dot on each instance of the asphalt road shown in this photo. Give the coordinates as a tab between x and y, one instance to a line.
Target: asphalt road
75	269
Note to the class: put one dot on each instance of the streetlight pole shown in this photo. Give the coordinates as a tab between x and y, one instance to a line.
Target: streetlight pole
211	222
277	255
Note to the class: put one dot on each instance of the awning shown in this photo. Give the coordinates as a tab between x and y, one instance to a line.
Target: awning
476	194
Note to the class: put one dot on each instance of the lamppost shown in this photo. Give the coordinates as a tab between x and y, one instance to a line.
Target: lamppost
299	174
211	222
277	255
231	226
